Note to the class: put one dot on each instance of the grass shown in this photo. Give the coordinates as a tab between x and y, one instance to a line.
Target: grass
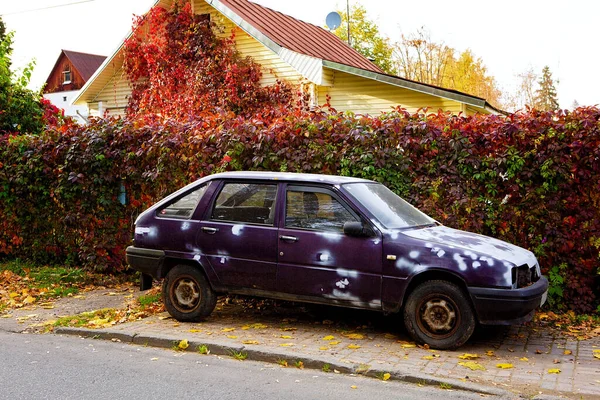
326	368
147	300
445	386
283	363
203	349
238	355
93	318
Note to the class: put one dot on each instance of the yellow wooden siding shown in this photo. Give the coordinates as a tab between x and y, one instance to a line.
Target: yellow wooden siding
113	97
366	96
272	66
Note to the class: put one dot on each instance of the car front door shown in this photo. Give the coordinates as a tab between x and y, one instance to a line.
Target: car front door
317	259
238	236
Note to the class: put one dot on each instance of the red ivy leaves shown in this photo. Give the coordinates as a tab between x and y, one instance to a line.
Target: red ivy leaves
181	69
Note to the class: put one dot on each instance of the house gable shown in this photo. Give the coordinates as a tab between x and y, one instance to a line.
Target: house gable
71	71
297	52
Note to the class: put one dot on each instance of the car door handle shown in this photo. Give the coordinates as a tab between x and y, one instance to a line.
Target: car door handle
288	238
209	230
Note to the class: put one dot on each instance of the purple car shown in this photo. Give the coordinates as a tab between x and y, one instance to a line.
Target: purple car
331	240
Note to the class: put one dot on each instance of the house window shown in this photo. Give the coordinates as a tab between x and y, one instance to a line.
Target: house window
66	75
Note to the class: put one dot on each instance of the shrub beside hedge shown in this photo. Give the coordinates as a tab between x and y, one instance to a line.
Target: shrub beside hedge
532	179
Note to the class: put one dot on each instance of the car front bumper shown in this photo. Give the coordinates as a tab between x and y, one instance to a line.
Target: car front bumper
147	261
508	306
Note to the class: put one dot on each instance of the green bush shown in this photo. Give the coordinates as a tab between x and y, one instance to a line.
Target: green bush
532	179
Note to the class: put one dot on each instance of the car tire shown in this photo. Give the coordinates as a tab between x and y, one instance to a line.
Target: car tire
438	313
187	294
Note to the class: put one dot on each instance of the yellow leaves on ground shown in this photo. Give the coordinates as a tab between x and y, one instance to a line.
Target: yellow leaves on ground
232	336
386	376
227	329
524	359
286	337
554	371
286	344
468	356
353	387
288	329
354	346
430	357
567	352
490	353
183	344
195	330
250	342
390	336
323	348
254	326
154	359
596	354
329	337
355	336
406	345
334	342
504	366
472	365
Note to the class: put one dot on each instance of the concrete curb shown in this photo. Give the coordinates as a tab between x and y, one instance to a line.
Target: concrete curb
269	355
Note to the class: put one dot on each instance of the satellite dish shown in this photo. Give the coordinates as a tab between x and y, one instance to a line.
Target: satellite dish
333	20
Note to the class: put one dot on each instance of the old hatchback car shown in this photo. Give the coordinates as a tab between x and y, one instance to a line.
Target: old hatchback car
333	240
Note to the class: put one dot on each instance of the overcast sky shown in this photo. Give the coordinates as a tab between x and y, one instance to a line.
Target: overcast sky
510	36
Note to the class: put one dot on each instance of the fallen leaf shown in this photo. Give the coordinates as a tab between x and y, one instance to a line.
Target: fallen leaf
390	336
524	359
154	359
250	342
468	356
288	328
329	337
183	344
408	345
195	330
286	344
323	348
232	336
353	346
334	342
472	365
490	353
386	376
567	352
286	337
539	352
227	329
431	357
554	371
596	354
355	336
353	387
556	361
504	366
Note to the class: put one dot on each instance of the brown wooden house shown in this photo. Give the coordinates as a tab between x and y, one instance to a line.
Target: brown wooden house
71	71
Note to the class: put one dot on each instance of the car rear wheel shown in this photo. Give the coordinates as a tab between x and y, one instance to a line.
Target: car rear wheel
187	294
438	313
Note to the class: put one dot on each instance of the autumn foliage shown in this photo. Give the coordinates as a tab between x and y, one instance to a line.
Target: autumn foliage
532	178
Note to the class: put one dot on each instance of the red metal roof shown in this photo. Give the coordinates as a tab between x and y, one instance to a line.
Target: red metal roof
86	64
299	36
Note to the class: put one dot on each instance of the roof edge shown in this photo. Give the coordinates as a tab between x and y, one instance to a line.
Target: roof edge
416	86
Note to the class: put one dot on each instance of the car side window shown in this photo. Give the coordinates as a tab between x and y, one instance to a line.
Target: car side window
308	209
252	203
184	206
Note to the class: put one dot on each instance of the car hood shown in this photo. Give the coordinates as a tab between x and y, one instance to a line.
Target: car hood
473	242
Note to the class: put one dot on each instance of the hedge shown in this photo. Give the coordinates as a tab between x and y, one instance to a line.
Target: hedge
532	178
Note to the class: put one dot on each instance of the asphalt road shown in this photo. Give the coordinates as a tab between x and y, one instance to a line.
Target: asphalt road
55	367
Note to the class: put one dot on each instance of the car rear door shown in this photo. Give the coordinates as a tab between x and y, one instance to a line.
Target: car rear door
317	259
238	237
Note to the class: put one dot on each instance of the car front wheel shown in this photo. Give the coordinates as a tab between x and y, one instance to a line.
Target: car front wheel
187	294
439	314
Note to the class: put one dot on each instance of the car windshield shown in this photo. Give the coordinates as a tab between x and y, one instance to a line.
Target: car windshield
390	209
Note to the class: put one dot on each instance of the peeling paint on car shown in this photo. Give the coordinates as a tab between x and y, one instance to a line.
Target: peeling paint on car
343	283
237	229
347	273
414	254
185	226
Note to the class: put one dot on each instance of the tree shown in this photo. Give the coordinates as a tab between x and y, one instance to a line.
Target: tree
545	98
179	68
421	59
366	38
21	110
418	58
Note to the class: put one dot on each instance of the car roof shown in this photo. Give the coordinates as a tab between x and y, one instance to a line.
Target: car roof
287	176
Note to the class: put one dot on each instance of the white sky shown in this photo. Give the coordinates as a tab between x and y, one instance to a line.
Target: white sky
510	36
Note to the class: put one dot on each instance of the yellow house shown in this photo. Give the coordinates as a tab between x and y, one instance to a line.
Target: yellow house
300	53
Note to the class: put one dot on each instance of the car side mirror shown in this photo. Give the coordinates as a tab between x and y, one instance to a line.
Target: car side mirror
356	229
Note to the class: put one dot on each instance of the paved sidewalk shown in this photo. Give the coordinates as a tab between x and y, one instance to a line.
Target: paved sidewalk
362	342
